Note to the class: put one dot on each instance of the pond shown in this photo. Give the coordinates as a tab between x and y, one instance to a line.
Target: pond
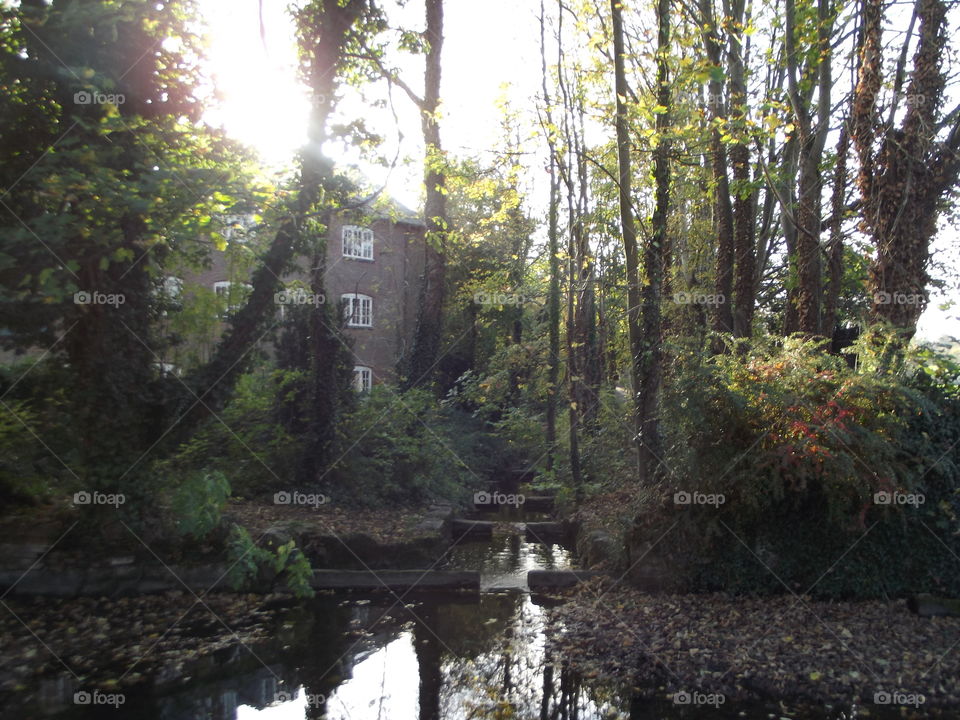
389	657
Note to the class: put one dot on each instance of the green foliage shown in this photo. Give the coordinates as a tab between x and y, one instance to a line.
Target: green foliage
19	448
402	448
37	438
246	440
198	502
801	446
248	563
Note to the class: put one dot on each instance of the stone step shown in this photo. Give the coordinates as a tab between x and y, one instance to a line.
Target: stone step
471	529
548	532
411	580
543	580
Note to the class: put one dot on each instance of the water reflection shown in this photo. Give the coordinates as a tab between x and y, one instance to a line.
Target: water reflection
456	657
504	561
485	659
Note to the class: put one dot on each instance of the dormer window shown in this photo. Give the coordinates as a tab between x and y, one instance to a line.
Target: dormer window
357	242
358	310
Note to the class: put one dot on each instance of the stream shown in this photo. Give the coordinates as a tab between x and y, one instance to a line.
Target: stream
413	657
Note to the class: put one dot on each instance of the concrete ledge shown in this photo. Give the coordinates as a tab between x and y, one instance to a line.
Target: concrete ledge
471	529
541	580
926	605
364	580
548	532
114	580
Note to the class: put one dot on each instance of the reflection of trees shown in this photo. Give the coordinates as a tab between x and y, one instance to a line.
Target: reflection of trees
468	629
477	658
507	674
429	652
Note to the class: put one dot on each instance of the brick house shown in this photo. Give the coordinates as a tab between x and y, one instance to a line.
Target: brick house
375	262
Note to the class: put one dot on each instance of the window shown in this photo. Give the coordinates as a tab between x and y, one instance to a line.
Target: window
236	228
362	378
357	242
172	287
233	294
358	310
166	368
169	295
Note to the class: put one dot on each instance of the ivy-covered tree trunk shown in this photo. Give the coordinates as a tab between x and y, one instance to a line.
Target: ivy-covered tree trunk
744	203
324	29
429	328
905	171
628	228
654	256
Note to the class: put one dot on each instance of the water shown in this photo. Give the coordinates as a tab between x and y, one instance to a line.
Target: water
455	657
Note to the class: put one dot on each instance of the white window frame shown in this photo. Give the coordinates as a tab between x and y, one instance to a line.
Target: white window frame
362	378
239	225
172	287
357	242
221	289
359	310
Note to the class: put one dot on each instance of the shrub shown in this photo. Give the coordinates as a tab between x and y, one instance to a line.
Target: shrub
801	446
402	447
246	441
249	562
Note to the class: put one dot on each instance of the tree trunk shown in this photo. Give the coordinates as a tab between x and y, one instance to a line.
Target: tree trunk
905	176
723	210
628	226
652	366
553	247
326	36
744	204
835	246
806	212
429	329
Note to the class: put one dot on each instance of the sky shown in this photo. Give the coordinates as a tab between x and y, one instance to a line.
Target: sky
490	52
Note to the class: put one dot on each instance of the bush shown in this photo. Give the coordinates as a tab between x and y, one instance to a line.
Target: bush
802	447
37	433
247	441
404	448
249	563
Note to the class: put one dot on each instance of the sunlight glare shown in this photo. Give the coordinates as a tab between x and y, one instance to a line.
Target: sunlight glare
261	101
